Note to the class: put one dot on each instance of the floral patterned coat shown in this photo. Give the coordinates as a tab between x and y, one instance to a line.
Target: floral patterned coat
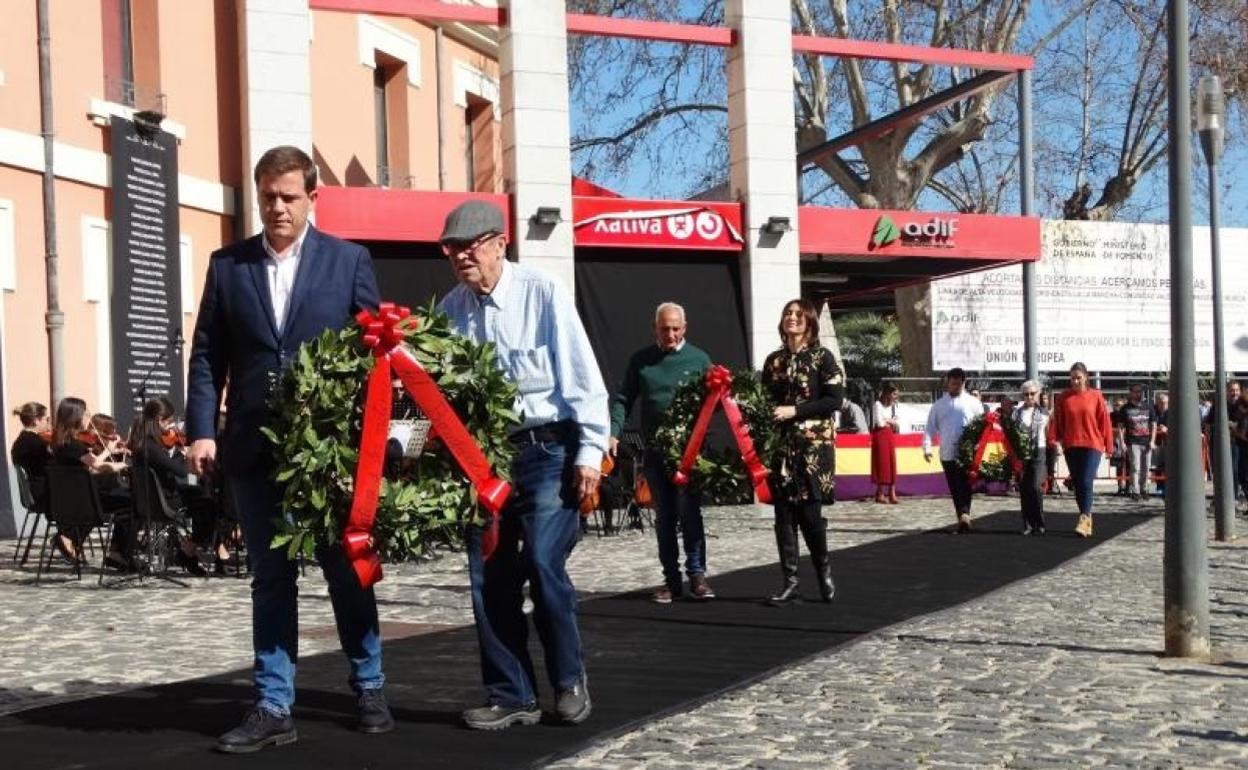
811	380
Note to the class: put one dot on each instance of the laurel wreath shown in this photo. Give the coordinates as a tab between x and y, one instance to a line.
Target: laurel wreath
317	407
719	473
996	467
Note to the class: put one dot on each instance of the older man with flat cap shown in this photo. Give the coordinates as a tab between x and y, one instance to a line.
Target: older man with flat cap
543	348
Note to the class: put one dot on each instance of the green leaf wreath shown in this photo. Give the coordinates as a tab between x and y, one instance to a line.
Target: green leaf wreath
998	467
317	408
718	473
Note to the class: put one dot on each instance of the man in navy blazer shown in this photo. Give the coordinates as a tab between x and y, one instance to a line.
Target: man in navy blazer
262	299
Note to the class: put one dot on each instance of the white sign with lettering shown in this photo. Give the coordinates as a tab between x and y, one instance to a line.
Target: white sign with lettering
1103	299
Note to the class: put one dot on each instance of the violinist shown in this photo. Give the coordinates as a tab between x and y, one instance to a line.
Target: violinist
68	448
155	441
30	453
103	432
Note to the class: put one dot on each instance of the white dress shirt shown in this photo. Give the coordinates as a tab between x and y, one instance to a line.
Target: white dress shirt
281	269
948	418
543	348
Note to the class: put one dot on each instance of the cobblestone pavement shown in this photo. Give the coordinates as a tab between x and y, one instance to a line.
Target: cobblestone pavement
1058	670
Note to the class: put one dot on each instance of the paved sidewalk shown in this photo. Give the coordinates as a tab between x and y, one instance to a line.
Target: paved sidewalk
1058	670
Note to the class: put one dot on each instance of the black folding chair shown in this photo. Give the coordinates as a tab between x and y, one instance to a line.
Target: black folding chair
34	514
164	525
74	510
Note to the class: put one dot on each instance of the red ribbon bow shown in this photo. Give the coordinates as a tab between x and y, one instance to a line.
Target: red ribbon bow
993	433
719	391
383	333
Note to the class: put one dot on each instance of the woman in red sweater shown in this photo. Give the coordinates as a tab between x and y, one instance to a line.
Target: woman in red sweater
1081	430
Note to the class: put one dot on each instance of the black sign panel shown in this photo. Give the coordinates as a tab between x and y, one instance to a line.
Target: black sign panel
146	279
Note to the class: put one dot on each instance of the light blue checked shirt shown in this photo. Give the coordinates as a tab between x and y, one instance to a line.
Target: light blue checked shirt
543	348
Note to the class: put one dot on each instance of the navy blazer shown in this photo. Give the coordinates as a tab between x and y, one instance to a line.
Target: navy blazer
236	341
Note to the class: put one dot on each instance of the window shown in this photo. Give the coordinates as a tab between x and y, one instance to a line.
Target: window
390	121
479	144
132	53
381	133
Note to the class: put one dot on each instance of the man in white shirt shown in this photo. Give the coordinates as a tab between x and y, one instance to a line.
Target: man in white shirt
948	418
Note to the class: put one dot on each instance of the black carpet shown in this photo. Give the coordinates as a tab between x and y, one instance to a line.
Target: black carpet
644	661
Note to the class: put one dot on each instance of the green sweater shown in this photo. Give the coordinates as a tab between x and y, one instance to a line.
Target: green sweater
654	374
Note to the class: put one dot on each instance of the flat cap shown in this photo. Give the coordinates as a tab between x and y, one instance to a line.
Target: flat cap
470	220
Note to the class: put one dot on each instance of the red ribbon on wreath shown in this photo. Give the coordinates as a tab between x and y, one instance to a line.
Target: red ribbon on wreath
719	392
382	333
993	433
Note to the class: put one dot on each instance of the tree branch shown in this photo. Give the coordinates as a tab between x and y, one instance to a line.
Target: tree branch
645	121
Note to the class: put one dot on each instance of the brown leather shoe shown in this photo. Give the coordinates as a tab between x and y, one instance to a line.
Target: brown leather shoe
700	589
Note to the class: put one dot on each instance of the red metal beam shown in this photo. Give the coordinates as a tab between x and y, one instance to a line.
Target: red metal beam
671	32
952	57
425	10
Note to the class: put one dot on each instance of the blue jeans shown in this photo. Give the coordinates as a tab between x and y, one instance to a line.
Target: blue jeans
1083	463
541	513
274	601
671	505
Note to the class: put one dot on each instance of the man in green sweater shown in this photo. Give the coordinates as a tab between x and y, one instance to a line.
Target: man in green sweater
653	375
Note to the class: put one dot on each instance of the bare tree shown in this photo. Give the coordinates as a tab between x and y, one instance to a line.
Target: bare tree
1100	134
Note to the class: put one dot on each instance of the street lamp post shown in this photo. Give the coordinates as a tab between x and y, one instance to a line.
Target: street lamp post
1186	561
1210	119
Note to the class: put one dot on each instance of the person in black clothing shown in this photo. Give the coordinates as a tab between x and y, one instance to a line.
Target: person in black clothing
72	419
807	382
1137	431
150	451
30	452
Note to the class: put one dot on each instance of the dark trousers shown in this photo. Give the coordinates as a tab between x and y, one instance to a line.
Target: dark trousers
959	486
1031	491
806	517
1239	459
1083	463
674	505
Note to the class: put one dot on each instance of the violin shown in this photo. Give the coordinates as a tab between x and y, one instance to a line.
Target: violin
172	438
92	438
45	435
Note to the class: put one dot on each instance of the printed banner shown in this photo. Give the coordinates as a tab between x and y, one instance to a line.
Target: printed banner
1103	299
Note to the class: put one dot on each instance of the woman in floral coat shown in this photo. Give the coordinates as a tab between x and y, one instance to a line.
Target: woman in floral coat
805	379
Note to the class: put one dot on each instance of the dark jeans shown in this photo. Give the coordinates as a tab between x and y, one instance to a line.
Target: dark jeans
541	513
1083	463
672	505
959	486
1239	459
1031	490
274	601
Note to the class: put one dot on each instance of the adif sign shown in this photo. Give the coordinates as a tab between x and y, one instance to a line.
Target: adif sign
936	231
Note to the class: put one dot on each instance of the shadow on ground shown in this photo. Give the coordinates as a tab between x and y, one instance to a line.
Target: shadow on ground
644	661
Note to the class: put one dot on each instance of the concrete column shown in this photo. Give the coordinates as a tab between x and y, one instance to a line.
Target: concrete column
275	83
537	163
763	170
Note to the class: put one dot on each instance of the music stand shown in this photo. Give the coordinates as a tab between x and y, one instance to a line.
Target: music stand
144	479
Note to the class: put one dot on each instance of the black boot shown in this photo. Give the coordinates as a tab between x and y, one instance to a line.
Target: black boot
786	544
821	560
